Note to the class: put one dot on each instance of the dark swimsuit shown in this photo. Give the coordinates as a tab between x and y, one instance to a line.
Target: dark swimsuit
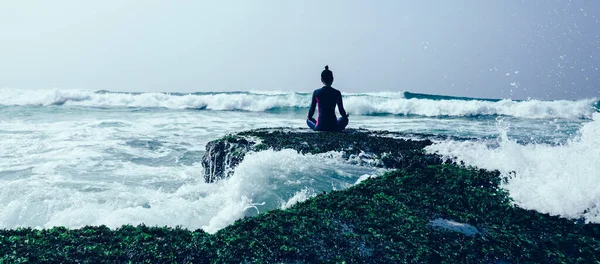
326	99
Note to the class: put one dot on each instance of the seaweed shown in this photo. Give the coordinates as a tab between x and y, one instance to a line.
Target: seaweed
223	155
386	219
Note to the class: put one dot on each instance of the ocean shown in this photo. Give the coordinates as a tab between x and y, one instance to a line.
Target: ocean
75	158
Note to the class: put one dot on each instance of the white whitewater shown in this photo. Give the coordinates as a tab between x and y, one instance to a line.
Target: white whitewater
560	180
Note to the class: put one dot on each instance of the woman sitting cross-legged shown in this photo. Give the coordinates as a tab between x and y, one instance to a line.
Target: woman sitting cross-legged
326	98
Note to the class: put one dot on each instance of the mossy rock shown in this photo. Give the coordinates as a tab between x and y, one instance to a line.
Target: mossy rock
376	148
387	219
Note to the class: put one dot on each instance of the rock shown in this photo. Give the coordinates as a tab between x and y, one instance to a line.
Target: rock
364	147
223	155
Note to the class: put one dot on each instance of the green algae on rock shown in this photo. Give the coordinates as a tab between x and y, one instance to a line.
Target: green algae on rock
375	148
128	244
388	219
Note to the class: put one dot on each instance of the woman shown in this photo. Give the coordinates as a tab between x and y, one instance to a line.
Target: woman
327	98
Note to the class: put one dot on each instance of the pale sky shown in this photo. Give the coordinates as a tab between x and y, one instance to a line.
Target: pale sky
515	49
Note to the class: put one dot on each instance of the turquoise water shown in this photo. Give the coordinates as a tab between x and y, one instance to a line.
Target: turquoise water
78	158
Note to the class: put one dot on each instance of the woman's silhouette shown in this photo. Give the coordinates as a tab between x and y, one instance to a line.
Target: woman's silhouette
326	98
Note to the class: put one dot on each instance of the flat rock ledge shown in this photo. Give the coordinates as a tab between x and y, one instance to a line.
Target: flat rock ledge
371	148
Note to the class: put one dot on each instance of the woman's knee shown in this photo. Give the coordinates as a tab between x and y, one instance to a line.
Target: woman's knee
311	124
342	122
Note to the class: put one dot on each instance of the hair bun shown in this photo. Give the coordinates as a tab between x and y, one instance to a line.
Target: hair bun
326	67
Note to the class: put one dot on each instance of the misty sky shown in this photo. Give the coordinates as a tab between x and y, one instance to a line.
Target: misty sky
497	49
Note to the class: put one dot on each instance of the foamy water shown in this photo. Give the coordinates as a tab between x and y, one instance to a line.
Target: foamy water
560	180
358	104
178	197
96	167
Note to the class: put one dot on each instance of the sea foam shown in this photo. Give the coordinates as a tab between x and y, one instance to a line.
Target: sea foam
162	196
560	180
392	103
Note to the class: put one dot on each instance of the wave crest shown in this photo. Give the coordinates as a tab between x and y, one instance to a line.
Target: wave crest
390	103
459	108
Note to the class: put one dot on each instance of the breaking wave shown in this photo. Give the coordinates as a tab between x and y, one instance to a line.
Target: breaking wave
381	103
556	179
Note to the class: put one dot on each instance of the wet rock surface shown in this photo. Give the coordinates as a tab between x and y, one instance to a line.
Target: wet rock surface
372	148
386	219
223	155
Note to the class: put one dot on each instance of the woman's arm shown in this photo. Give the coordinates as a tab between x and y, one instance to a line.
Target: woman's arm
340	105
313	105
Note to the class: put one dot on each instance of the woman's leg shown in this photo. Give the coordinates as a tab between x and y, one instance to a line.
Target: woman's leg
342	123
312	123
